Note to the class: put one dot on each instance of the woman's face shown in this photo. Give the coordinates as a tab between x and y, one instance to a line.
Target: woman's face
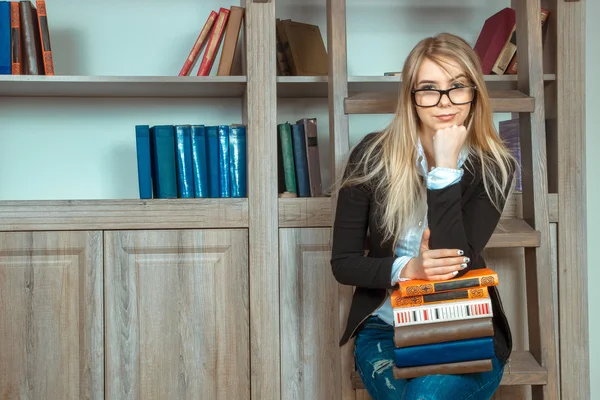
437	112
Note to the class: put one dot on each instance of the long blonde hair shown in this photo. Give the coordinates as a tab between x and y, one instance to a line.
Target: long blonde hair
388	162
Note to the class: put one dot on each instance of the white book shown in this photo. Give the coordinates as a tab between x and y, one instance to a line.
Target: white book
456	310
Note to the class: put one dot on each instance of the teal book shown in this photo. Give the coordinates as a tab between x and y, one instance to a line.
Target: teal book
212	160
144	163
237	161
300	160
162	140
200	170
224	188
481	348
185	172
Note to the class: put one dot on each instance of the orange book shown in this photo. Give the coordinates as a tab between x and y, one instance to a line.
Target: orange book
232	33
197	48
213	43
45	37
15	35
399	301
473	278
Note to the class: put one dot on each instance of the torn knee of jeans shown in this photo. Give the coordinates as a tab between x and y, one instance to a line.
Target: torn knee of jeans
381	366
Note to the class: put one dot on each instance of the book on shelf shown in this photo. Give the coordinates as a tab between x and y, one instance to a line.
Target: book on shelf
496	44
443	327
25	45
508	131
298	165
300	49
191	161
220	31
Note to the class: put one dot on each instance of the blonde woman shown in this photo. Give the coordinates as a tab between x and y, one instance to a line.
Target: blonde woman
429	189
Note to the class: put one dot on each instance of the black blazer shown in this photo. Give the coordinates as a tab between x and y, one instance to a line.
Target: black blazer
460	216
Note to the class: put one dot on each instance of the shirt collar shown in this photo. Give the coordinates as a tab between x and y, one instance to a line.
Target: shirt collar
422	160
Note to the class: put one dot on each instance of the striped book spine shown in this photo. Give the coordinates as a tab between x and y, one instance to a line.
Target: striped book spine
460	310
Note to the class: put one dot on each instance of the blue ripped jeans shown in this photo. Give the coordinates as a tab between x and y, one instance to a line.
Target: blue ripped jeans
374	358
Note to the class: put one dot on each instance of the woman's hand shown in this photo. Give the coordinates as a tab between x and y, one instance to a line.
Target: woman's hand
447	143
434	265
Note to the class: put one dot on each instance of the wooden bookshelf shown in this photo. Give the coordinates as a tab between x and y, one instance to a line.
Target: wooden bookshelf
123	214
122	86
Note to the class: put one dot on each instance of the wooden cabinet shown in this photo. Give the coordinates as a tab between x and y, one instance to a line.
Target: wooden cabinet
148	314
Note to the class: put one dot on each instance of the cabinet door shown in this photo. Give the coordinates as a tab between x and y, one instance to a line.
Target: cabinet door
51	332
310	354
177	314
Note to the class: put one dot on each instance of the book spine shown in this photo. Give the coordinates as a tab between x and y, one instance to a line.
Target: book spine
15	31
144	163
300	160
185	174
435	298
213	43
5	35
230	40
456	368
413	335
199	161
45	37
32	53
162	139
212	160
413	289
461	310
312	156
237	160
447	352
287	153
224	188
198	45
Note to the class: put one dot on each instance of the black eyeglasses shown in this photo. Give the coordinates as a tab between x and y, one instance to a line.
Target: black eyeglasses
431	97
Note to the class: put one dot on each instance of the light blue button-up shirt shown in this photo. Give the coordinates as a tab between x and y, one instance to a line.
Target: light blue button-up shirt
408	246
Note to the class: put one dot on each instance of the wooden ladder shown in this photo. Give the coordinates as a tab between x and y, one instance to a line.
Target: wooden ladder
538	366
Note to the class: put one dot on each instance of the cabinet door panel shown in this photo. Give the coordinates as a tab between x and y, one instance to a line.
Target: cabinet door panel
51	321
177	314
310	354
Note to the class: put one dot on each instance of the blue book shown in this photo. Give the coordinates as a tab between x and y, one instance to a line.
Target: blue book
446	352
300	160
185	172
224	189
162	141
5	48
200	170
144	164
237	161
212	161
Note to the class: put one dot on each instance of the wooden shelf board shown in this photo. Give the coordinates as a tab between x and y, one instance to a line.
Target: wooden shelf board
123	214
316	86
302	86
386	102
122	86
304	212
522	369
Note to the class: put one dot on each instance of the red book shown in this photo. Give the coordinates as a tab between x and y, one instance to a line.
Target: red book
214	42
496	30
197	48
45	37
15	32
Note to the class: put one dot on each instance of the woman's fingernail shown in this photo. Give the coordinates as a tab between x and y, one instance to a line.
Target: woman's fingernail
454	273
463	266
460	252
466	259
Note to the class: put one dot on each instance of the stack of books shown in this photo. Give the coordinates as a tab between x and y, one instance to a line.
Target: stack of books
444	327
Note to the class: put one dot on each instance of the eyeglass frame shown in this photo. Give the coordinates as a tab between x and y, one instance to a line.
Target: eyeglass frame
442	92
